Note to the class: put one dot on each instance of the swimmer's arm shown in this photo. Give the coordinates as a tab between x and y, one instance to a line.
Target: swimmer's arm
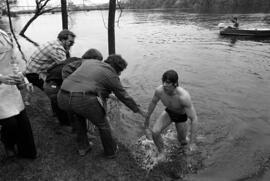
151	108
192	115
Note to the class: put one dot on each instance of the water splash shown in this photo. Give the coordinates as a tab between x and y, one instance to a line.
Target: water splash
147	155
178	160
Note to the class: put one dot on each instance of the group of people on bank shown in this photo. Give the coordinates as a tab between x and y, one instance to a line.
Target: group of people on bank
78	88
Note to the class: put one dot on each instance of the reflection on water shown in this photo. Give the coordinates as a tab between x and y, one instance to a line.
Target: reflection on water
234	39
229	79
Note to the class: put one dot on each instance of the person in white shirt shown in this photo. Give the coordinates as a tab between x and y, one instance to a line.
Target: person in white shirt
16	131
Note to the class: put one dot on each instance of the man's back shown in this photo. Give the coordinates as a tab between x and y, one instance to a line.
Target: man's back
100	78
90	76
46	56
55	72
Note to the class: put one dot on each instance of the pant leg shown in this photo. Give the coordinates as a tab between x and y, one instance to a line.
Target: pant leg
61	115
89	107
25	141
35	80
81	131
51	89
9	132
78	122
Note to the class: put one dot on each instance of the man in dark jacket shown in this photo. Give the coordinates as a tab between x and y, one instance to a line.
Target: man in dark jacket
92	81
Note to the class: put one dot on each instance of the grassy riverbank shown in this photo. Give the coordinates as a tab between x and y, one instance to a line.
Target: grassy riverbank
58	158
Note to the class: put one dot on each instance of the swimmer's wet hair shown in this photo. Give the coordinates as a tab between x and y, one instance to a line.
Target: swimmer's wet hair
170	76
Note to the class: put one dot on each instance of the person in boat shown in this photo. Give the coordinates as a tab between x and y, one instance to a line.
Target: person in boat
235	22
179	109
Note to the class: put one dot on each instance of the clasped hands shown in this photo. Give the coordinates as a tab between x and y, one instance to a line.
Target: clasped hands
10	79
18	80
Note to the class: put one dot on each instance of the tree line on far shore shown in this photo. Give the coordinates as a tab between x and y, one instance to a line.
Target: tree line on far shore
221	6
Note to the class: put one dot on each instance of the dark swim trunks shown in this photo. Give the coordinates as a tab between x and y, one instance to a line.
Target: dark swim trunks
176	117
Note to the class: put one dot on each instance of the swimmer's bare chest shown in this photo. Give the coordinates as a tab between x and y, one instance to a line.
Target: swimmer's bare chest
172	102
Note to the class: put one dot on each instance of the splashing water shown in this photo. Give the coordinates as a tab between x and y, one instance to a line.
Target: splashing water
147	155
178	159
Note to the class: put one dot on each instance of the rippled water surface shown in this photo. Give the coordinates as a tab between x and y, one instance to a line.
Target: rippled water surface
228	78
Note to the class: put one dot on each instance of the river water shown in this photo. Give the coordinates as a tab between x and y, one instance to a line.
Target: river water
228	78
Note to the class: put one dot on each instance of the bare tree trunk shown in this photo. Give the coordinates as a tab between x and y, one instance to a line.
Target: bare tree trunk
64	14
111	32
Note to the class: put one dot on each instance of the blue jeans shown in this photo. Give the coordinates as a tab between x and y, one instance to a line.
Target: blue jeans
88	107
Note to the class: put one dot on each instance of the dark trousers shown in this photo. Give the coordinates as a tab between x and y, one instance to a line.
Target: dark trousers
87	106
79	124
51	89
35	80
17	130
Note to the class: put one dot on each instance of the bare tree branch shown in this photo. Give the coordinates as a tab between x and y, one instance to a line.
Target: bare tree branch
118	19
46	11
27	24
28	39
121	11
13	34
103	20
45	3
40	5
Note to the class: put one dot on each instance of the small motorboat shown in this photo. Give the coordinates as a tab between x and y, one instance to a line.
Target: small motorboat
241	32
